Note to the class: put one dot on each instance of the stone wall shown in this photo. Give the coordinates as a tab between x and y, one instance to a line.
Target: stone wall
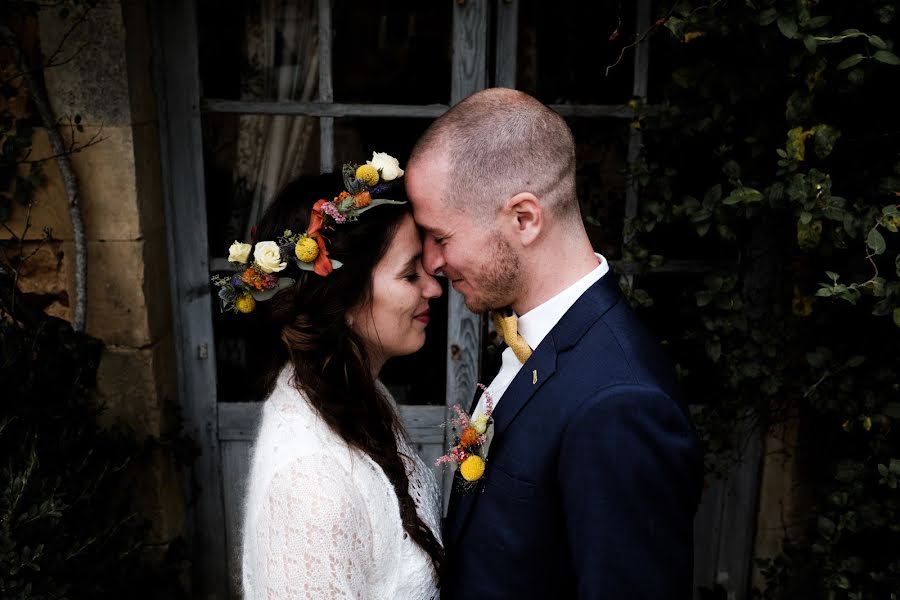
109	83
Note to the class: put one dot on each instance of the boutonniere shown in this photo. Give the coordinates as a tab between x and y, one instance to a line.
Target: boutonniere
469	450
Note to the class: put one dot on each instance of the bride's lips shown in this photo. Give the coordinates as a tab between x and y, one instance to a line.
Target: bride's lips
423	317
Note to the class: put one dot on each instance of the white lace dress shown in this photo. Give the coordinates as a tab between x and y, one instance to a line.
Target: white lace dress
322	520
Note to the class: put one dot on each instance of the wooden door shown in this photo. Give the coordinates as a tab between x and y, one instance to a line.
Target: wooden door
462	46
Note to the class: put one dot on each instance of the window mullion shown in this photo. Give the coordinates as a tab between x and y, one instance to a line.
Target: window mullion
326	91
507	43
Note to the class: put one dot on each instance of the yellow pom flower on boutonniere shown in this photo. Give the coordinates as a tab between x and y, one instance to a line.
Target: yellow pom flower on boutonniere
472	468
307	250
367	174
245	303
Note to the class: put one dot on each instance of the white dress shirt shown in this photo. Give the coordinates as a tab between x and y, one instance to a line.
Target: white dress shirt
534	327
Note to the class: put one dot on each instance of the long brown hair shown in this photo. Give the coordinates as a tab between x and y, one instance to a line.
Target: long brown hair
306	325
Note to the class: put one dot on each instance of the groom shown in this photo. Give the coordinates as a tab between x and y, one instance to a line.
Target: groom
594	470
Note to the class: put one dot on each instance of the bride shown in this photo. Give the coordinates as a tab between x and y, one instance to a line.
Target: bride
338	504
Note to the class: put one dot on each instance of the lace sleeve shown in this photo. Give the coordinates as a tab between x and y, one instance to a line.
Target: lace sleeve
313	535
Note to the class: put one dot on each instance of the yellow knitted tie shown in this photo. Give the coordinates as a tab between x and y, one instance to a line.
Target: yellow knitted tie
505	322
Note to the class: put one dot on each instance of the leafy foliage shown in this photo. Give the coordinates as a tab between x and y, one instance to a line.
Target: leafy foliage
67	526
774	158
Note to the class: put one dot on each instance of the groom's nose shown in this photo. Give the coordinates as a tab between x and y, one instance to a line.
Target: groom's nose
432	255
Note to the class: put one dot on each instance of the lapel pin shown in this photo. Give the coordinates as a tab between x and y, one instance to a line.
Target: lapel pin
534	377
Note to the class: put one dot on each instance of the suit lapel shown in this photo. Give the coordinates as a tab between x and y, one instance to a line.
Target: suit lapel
595	301
536	371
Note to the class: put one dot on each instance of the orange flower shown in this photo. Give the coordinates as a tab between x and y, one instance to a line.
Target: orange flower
362	200
342	196
322	265
469	437
317	218
254	279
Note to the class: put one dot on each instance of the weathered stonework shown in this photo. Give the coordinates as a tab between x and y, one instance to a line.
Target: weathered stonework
109	84
123	380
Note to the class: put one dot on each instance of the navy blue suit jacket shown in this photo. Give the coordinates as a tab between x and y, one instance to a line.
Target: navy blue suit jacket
593	476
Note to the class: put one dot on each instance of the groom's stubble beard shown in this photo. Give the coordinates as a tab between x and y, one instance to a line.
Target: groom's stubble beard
497	283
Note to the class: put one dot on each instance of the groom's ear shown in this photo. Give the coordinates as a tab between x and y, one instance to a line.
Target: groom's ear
524	209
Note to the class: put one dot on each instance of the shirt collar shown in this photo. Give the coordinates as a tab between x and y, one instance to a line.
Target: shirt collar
537	322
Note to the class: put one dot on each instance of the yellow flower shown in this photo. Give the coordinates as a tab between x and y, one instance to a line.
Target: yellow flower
692	35
472	468
367	174
307	250
245	303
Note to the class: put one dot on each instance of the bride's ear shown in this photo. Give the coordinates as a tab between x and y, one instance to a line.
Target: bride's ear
524	209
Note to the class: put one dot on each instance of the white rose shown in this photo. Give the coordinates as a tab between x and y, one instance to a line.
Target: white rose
267	257
387	165
239	253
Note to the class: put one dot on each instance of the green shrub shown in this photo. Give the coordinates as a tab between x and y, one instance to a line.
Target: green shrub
772	151
67	527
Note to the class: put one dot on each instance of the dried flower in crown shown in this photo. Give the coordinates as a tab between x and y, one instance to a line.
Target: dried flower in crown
260	279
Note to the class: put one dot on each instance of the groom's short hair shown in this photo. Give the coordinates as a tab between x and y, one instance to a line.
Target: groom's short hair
500	142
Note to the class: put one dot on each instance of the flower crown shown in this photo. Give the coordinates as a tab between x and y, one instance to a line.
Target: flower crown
308	250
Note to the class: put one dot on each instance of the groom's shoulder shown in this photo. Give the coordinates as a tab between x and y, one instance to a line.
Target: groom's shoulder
618	348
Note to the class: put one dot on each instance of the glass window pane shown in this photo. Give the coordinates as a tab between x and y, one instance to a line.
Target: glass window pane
392	51
258	50
601	151
247	160
389	51
565	48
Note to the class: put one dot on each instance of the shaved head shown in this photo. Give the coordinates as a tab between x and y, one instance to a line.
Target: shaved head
497	143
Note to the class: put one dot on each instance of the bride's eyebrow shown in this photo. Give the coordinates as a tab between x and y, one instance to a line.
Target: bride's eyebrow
411	263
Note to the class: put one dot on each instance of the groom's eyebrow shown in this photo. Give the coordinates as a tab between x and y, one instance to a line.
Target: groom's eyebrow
433	231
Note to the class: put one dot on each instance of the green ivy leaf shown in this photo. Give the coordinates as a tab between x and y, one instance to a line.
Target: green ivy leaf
882	307
714	350
767	17
824	140
888	58
851	61
744	195
713	195
817	22
875	241
788	27
826	527
877	42
815	359
855	361
810	43
897	265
